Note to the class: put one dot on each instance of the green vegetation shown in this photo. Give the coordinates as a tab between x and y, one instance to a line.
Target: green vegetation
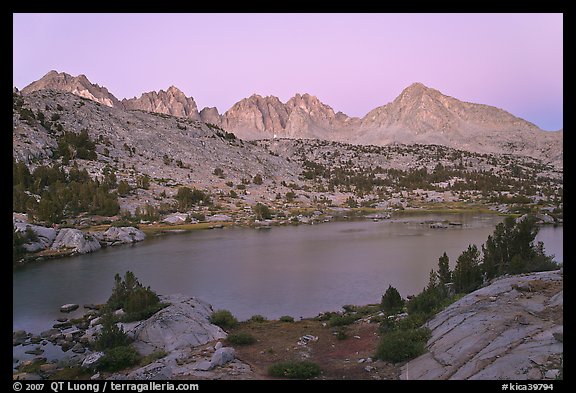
392	302
509	250
286	318
257	318
111	336
295	370
72	146
151	358
467	273
257	180
218	172
402	345
342	320
262	212
118	358
224	319
187	198
61	195
130	295
240	339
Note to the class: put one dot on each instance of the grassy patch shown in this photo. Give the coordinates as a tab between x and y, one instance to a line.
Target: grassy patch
240	339
295	370
155	229
286	318
148	359
71	373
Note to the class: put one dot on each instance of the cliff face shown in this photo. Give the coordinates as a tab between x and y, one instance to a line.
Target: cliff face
511	329
170	102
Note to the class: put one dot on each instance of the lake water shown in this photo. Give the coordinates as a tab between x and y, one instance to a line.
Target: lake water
294	270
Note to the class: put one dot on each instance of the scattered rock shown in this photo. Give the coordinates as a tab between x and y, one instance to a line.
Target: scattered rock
92	359
69	307
26	377
95	377
218	345
36	351
534	374
48	368
78	348
222	356
204	365
552	374
369	368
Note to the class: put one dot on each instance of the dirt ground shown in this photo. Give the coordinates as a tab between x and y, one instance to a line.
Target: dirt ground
339	359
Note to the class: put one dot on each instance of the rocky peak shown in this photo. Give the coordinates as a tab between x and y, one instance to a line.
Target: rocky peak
171	102
211	115
78	85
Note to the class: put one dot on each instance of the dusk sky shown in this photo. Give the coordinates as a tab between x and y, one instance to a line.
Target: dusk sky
352	62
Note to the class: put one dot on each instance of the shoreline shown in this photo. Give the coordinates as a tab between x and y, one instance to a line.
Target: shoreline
329	215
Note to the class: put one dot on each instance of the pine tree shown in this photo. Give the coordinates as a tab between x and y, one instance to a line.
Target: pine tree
467	273
392	302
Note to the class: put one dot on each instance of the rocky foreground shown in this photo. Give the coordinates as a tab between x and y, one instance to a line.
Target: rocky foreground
511	329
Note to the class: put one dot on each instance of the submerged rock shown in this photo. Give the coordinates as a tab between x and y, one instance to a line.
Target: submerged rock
69	307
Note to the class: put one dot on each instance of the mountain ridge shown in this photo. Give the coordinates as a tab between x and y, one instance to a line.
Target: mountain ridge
419	114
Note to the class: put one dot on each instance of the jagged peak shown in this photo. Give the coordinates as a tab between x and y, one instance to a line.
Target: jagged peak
174	90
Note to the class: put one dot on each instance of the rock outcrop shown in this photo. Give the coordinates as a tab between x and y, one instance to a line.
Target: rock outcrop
76	241
511	329
45	236
78	85
183	324
119	235
171	102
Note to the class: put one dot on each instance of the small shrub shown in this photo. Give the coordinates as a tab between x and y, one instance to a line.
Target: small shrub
342	320
258	318
341	333
111	335
295	370
119	358
402	345
241	339
224	319
286	318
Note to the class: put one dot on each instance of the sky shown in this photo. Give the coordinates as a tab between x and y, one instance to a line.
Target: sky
353	62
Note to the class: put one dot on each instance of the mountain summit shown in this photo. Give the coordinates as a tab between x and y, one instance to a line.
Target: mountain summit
419	114
79	85
171	102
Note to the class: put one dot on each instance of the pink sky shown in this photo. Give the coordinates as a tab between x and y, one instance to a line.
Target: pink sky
352	62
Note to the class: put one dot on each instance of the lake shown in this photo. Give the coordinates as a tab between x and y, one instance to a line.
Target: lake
293	270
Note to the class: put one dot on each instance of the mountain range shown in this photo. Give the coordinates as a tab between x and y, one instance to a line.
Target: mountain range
418	115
